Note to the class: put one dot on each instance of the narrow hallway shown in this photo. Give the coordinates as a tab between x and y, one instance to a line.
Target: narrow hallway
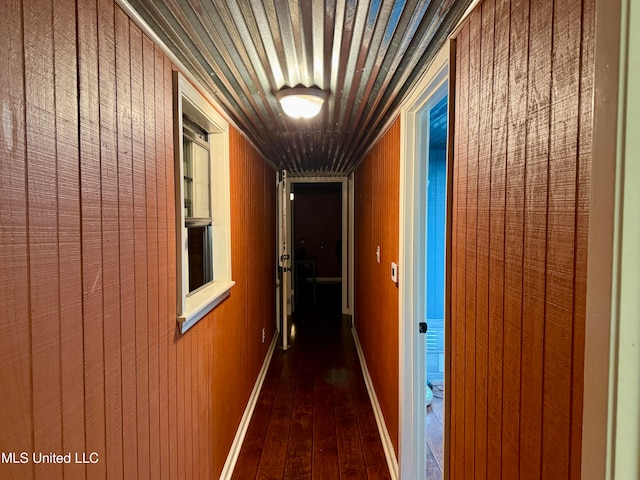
314	419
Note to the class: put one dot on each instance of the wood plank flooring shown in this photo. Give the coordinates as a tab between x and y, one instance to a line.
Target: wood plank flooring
435	432
313	419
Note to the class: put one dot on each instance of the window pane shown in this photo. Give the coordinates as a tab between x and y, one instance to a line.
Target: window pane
201	187
200	271
188	177
197	190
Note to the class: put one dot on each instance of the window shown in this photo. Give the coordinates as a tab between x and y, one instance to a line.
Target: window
202	204
197	203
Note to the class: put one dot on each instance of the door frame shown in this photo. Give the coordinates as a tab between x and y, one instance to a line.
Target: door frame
413	185
347	206
611	414
283	256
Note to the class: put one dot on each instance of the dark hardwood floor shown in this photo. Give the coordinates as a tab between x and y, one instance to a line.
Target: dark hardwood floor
314	419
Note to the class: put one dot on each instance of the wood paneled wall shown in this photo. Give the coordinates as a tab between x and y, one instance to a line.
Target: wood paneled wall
522	145
376	216
90	357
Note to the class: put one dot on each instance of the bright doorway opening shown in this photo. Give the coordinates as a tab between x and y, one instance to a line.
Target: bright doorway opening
434	128
424	283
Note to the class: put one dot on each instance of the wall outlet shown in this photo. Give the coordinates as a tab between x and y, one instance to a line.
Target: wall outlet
263	334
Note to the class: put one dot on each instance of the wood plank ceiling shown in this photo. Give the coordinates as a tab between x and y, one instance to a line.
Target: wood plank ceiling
365	54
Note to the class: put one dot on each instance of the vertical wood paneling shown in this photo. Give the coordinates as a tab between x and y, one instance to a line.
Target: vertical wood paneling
203	419
483	238
43	232
180	405
376	223
528	222
514	228
16	400
110	240
91	214
190	409
535	237
254	280
163	317
496	241
458	290
140	253
269	273
471	241
127	248
171	331
224	379
88	259
70	254
151	201
195	402
565	77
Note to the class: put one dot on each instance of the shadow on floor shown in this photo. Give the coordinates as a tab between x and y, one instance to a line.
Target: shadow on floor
327	298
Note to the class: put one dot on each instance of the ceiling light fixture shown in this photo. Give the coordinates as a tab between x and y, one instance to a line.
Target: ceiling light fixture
301	102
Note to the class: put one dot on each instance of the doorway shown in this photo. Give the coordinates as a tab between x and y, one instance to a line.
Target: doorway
314	262
317	240
434	128
423	285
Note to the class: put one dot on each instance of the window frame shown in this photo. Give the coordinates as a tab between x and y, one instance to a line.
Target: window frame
192	307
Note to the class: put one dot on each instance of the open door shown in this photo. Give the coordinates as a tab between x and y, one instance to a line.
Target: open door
283	282
277	254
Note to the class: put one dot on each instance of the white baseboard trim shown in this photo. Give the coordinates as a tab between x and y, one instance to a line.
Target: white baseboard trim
392	461
232	458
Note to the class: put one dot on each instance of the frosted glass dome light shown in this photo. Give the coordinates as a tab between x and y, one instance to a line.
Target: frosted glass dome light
301	102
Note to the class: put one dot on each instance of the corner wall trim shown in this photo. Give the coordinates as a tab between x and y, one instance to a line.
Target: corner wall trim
232	458
392	461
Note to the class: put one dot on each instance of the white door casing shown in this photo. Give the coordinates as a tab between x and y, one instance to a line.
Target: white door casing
347	232
412	255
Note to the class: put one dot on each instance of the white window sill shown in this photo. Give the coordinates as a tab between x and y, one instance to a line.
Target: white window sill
202	302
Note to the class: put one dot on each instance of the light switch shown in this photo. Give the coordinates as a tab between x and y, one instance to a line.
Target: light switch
394	272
